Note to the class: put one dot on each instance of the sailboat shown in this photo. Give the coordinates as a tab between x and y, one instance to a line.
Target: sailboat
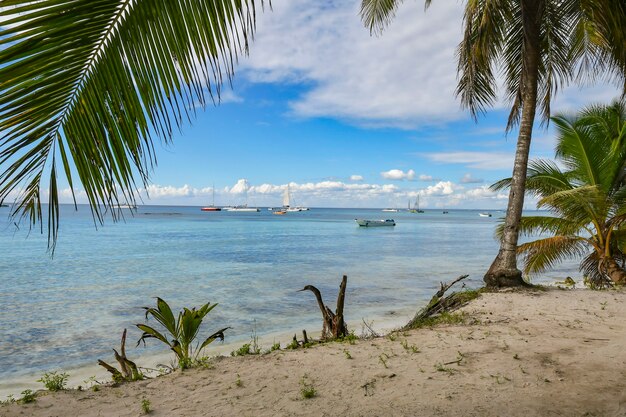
287	202
416	206
212	206
243	207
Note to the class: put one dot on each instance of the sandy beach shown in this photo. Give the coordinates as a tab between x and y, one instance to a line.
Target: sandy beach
537	353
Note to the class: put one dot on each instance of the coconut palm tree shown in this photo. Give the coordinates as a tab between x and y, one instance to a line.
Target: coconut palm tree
86	86
537	46
587	198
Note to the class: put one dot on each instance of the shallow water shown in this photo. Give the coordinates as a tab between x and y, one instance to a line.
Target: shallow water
67	311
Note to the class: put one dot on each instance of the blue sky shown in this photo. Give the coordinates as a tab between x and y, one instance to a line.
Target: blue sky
347	119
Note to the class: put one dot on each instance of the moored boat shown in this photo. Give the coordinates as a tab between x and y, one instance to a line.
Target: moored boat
242	208
390	210
375	223
211	208
484	214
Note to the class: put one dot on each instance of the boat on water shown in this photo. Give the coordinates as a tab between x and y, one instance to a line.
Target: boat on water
127	206
416	206
390	210
375	223
484	214
287	203
279	212
212	206
243	207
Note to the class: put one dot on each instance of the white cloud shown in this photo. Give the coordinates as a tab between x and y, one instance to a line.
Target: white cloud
469	179
356	178
316	194
442	188
426	178
240	187
475	160
398	174
405	77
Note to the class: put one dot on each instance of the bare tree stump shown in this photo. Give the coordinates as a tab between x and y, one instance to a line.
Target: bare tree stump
333	324
128	369
439	303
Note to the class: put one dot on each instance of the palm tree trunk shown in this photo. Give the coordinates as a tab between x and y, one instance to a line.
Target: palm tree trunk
503	271
614	272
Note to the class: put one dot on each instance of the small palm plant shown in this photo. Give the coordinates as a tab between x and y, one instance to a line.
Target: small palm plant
585	192
183	330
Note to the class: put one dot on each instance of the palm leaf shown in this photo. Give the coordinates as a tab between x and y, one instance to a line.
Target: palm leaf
538	225
149	332
98	81
217	335
542	254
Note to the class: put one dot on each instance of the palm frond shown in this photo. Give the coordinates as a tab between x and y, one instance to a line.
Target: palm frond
97	81
485	24
542	254
581	204
377	14
538	225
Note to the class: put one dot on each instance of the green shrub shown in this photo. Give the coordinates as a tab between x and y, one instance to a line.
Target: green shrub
54	381
28	396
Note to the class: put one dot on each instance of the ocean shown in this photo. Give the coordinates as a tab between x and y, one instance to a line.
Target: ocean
67	311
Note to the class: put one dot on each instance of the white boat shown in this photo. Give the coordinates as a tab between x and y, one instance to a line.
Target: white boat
484	214
243	207
127	206
287	203
390	210
375	223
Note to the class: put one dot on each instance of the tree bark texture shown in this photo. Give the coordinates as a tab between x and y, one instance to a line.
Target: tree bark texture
503	271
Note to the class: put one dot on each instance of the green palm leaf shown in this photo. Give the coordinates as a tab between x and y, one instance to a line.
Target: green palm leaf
543	254
97	81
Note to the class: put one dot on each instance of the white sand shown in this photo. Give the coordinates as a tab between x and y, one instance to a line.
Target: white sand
554	353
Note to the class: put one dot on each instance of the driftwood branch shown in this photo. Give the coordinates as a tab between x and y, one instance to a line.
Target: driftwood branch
128	369
333	324
439	303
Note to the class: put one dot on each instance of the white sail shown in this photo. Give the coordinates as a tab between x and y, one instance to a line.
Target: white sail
286	197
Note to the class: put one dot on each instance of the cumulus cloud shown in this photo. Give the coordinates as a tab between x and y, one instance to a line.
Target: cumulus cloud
442	188
398	174
353	75
469	179
328	193
356	178
426	178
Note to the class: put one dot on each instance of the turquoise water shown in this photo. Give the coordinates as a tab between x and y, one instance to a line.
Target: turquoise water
68	311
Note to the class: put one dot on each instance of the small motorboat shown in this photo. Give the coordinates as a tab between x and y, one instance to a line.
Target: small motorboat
375	223
211	208
484	214
279	212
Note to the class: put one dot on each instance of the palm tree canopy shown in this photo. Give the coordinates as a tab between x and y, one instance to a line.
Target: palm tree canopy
585	191
578	39
86	86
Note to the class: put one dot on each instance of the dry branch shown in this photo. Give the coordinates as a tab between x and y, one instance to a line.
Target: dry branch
439	303
128	369
333	324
